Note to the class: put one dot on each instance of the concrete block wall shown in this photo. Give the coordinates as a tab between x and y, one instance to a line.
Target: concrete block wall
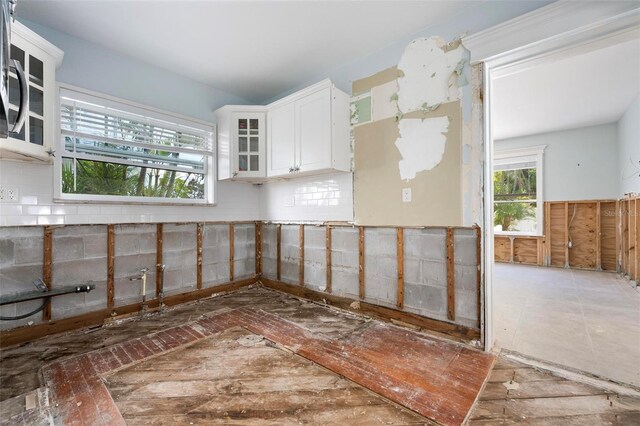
134	248
345	261
215	254
424	265
290	254
466	277
381	266
20	263
269	251
79	257
425	272
179	254
244	254
315	257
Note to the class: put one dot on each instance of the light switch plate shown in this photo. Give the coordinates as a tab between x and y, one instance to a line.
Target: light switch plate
406	195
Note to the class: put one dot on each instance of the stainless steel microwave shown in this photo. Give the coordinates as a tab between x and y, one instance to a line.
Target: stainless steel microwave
8	65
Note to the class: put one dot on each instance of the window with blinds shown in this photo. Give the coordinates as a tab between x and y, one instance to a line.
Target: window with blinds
112	149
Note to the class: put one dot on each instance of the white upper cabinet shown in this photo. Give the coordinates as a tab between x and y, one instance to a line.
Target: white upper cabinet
309	132
241	143
39	60
281	136
305	133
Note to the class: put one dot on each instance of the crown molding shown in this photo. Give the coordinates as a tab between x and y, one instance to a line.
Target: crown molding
552	27
38	41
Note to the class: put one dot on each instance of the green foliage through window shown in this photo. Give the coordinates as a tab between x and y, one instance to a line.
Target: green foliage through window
515	195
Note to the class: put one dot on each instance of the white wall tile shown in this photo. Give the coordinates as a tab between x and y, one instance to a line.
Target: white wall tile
235	201
319	198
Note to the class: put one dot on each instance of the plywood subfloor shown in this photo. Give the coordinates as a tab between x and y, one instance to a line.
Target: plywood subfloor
241	378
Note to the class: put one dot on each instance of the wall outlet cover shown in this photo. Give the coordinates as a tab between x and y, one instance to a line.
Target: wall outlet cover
406	195
9	194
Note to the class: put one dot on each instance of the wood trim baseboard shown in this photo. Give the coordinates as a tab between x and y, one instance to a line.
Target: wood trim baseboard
457	332
30	333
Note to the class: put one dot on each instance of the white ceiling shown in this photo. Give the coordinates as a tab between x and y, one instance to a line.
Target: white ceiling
577	91
254	49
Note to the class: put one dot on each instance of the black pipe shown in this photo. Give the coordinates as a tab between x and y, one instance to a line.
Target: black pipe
33	295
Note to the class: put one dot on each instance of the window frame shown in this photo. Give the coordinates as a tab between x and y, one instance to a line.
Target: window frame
210	181
503	157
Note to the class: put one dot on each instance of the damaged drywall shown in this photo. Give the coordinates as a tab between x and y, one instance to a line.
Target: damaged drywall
430	74
420	118
418	156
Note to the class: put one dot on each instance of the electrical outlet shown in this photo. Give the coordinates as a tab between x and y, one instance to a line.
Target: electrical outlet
12	194
8	195
289	201
406	195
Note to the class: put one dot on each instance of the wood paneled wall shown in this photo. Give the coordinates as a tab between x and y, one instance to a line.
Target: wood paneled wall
604	236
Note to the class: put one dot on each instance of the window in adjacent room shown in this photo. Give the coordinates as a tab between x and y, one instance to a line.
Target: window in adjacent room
111	150
517	188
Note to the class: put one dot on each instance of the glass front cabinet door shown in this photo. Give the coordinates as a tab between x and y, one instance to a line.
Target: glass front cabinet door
39	59
249	147
241	143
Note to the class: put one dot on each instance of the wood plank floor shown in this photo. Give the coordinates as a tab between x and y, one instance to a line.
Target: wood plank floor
532	403
240	378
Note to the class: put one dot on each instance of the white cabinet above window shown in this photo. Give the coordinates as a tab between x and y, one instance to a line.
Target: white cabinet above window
39	60
241	143
305	133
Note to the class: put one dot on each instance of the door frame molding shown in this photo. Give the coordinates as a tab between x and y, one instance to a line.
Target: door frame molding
555	31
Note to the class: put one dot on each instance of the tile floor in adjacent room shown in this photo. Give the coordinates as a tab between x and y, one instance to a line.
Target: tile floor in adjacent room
585	320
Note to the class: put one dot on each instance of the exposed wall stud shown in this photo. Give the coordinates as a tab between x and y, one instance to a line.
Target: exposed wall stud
110	266
159	264
278	250
400	255
361	270
598	238
451	291
328	257
232	237
301	266
479	272
47	267
566	235
199	255
258	250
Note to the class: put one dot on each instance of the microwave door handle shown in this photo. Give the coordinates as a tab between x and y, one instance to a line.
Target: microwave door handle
24	97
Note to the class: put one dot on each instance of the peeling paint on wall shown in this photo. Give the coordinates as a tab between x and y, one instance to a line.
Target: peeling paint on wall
421	144
432	75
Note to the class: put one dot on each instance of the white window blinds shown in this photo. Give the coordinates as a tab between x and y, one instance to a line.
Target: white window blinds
99	129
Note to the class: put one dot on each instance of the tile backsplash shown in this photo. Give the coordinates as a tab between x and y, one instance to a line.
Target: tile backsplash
318	198
35	205
321	198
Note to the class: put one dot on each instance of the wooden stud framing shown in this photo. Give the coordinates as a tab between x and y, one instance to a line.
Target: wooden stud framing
199	255
47	267
547	235
159	265
566	235
512	249
479	273
451	291
258	246
618	239
328	257
278	250
110	266
400	255
598	238
301	265
361	269
232	237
